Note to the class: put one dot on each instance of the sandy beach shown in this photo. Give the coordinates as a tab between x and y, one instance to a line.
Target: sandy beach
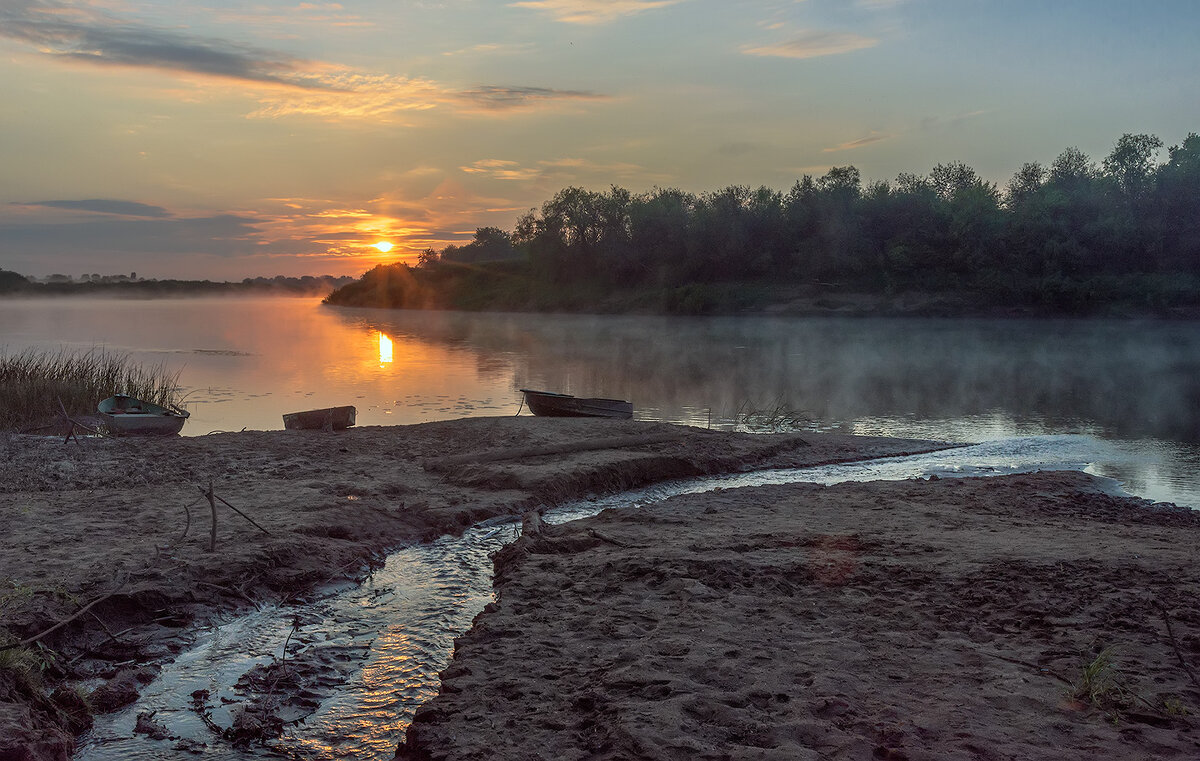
108	562
1017	617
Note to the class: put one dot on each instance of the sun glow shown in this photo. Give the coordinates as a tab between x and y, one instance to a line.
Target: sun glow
383	246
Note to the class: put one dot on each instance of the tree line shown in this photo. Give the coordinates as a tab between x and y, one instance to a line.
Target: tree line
1069	236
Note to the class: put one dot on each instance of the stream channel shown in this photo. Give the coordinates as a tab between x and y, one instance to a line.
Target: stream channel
388	637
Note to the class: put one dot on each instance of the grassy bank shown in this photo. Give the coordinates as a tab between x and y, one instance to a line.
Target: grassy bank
33	384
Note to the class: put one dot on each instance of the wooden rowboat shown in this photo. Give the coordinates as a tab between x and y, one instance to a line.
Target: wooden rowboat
124	415
330	418
550	404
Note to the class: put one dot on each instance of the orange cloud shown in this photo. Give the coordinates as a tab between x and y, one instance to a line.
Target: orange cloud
353	96
323	229
499	169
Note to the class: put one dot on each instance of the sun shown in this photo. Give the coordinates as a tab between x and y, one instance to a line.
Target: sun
383	246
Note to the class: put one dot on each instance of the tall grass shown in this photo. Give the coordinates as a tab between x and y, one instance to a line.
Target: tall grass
32	383
777	417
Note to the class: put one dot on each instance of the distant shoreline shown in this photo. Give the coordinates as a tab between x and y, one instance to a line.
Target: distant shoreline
290	286
941	618
726	300
512	286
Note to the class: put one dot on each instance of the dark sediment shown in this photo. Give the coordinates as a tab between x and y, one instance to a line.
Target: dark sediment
1025	616
123	526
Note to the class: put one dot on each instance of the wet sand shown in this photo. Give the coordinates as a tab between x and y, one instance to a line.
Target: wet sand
1018	617
109	540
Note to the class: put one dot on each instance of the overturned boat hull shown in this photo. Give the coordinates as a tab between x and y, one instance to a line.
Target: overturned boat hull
330	418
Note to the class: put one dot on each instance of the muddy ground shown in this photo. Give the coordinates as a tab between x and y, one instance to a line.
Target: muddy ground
1017	617
107	560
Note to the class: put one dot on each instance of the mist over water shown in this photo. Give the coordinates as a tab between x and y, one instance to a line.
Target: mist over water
1134	385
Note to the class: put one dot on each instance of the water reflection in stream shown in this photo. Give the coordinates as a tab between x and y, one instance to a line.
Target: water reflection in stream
388	638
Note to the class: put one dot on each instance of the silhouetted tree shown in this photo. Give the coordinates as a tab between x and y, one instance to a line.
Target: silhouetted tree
1062	236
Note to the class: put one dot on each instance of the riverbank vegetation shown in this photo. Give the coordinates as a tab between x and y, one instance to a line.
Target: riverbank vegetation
1074	237
33	385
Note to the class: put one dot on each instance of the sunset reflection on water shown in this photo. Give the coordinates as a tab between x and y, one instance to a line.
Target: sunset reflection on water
385	351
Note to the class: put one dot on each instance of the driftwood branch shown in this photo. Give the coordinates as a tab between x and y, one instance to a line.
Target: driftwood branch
76	424
239	512
60	624
497	455
597	535
212	504
213	498
187	525
1175	644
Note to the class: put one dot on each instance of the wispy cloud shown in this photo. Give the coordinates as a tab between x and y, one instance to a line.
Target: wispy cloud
84	34
502	169
617	168
593	11
937	122
813	45
270	20
355	96
493	48
284	85
491	98
222	234
104	206
874	137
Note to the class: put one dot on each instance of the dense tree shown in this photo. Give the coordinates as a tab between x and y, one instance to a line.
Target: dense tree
1177	206
11	281
490	244
1062	236
1130	166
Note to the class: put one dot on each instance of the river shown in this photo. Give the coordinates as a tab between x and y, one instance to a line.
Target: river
1132	388
1119	399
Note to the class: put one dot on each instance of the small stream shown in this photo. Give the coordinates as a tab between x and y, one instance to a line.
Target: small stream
384	641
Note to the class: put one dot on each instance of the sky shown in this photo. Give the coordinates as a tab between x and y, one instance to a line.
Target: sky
220	140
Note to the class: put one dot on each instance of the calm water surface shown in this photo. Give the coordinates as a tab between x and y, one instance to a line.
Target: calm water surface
1131	388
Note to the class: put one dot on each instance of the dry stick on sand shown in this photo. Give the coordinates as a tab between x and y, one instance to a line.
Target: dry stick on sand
75	423
213	498
1175	644
212	503
239	512
60	624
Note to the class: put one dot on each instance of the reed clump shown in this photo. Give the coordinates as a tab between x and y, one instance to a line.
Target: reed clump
775	417
34	382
